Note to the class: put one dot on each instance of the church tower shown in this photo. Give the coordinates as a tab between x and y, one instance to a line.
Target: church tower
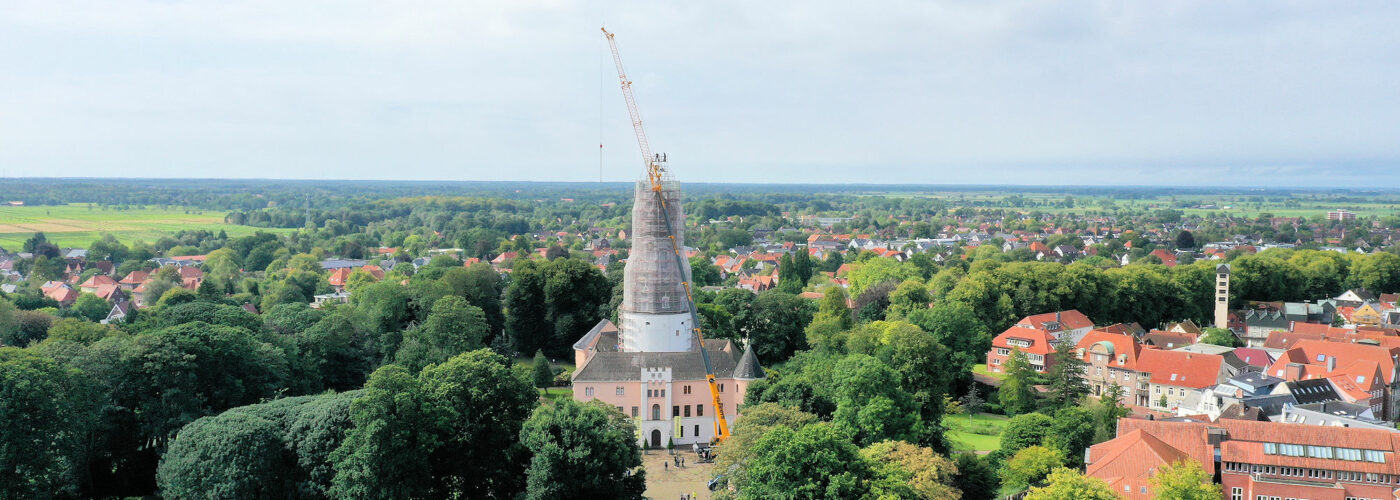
1222	296
655	315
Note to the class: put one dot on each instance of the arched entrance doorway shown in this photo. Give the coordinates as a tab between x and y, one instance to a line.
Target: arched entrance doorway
656	438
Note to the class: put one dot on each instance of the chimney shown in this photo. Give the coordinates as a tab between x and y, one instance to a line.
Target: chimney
1331	363
1294	371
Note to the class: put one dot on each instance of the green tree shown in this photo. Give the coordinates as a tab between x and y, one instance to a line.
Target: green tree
9	322
1068	483
80	331
483	405
541	373
1071	432
1017	392
335	353
905	471
776	325
1185	240
908	297
813	462
90	307
1221	337
871	406
1031	467
703	273
48	415
1023	431
231	455
1184	480
1110	409
976	478
1066	377
759	419
582	450
386	454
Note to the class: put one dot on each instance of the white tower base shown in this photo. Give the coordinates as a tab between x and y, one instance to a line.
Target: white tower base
642	332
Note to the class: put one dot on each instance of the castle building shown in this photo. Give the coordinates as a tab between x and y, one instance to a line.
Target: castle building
651	367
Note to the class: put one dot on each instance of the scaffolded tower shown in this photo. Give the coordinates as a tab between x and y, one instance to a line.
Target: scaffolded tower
654	314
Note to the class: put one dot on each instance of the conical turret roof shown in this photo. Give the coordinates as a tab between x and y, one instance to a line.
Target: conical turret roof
748	367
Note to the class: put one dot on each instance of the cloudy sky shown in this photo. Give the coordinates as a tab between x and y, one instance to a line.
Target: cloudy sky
1027	92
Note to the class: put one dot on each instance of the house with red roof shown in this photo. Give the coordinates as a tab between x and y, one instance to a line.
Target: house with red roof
97	281
1168	258
1362	373
1254	460
63	294
1069	325
134	279
1112	359
1173	377
1037	344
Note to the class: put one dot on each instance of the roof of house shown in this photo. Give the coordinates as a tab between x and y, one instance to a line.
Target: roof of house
98	280
1315	354
1181	369
1040	340
1134	454
135	278
1252	356
1124	349
1168	340
1312	391
1069	320
339	276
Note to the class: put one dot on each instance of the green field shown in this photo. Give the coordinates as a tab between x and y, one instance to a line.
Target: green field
981	434
78	225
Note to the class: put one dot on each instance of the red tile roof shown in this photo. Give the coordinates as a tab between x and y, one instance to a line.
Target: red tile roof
1308	352
1121	344
1130	460
1039	340
1070	320
1181	369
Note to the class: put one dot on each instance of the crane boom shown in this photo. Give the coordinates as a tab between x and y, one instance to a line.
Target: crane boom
655	171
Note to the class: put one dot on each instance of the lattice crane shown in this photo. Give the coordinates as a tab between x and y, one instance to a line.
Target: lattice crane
656	170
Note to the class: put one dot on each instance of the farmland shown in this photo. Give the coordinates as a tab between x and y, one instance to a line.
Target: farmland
79	224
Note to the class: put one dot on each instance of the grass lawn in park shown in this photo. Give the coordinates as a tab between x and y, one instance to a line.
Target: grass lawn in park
78	225
981	434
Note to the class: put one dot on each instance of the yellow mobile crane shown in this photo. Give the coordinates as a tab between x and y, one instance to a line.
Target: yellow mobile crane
655	172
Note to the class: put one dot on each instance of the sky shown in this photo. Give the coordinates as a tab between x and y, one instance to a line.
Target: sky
1029	92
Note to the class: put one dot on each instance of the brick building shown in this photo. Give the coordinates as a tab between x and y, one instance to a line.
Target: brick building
1254	460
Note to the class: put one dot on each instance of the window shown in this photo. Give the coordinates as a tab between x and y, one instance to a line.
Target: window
1348	454
1320	451
1375	456
721	388
650	394
1292	450
656	412
697	430
634	411
685	389
588	391
699	410
676	411
1321	358
681	430
663	394
1236	493
687	410
620	391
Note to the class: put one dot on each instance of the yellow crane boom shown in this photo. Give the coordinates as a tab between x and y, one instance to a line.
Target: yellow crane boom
655	171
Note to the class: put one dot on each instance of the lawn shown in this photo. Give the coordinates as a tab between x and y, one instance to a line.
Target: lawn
981	369
981	434
78	225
